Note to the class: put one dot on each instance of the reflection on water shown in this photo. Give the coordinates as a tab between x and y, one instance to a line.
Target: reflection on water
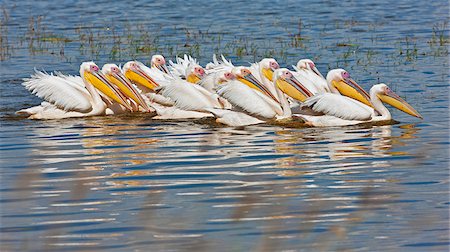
107	183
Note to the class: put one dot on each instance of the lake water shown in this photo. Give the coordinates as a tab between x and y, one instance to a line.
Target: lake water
130	183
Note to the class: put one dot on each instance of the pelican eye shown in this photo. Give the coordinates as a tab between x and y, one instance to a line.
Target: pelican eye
345	75
94	68
274	65
199	70
245	72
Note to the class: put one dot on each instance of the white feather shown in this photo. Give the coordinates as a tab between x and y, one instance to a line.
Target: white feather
247	99
211	80
181	67
339	106
188	96
66	92
255	69
223	65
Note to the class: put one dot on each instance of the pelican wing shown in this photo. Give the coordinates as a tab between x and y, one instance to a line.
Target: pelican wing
339	106
180	67
186	95
66	92
216	65
244	97
211	80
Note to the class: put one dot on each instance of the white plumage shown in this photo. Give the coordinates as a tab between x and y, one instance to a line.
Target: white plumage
307	73
65	92
248	99
378	94
339	106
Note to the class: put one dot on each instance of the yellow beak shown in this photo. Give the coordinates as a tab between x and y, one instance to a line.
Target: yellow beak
268	73
100	82
127	88
351	89
192	78
394	100
293	88
251	81
139	77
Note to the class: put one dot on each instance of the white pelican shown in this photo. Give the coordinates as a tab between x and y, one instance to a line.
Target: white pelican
335	104
71	96
378	94
159	62
249	100
258	105
113	73
250	76
307	73
263	71
187	69
144	77
172	90
215	71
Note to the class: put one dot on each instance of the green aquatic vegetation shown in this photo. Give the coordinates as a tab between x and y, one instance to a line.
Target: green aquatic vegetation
5	47
126	41
439	36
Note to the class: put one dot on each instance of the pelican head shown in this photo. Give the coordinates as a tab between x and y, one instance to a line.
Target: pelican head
340	81
137	72
268	66
194	73
114	75
245	76
308	64
288	84
226	76
91	73
159	62
386	95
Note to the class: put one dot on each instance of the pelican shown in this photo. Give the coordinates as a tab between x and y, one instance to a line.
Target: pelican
356	107
114	75
71	96
187	68
147	79
181	112
378	94
170	90
259	106
159	62
264	71
307	73
215	71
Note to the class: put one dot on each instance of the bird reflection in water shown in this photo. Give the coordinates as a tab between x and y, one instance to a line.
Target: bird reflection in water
290	184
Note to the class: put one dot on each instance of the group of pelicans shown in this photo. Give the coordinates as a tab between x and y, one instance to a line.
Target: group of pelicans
234	95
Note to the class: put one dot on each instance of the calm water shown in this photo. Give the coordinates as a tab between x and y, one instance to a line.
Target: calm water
130	183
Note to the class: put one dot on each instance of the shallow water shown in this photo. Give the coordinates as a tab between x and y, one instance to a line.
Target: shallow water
124	183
